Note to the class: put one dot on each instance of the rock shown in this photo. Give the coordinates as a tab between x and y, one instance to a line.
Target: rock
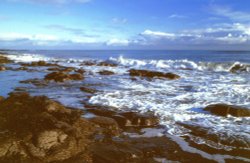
140	120
39	63
109	125
80	71
88	63
152	74
122	121
88	90
2	68
35	81
102	112
1	98
238	68
107	64
106	72
224	110
37	129
4	60
61	76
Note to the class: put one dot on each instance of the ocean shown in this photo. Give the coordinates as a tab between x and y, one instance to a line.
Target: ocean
205	79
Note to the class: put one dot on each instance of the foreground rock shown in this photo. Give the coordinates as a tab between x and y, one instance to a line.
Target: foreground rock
61	76
36	129
224	110
4	59
152	74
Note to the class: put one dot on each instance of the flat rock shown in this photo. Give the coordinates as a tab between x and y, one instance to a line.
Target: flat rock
152	74
224	110
88	90
62	76
39	63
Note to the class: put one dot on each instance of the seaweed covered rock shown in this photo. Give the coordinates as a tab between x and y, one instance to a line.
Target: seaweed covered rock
37	129
224	110
152	74
61	76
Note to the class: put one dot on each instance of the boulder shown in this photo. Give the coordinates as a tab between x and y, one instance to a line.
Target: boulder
152	74
37	129
4	60
106	72
224	110
238	68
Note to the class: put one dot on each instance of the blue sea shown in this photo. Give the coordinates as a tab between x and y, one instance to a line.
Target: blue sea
205	79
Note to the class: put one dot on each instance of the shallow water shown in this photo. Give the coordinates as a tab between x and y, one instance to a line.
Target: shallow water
205	79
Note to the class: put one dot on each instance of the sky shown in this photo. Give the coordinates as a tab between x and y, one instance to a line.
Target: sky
125	24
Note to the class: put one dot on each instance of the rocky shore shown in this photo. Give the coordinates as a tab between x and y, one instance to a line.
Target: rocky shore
39	129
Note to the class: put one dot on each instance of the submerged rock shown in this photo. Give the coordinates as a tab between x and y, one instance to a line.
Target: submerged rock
152	74
61	76
224	110
37	129
88	90
106	72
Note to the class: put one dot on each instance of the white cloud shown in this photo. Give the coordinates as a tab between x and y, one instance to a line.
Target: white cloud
231	14
157	34
117	42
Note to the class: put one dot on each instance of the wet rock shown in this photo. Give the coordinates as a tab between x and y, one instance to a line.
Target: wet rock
141	120
36	82
1	98
4	60
88	63
88	90
80	71
107	64
37	129
108	125
106	72
238	68
152	74
39	63
2	68
102	112
61	76
122	121
224	110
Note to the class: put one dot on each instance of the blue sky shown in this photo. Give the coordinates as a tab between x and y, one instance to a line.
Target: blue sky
125	24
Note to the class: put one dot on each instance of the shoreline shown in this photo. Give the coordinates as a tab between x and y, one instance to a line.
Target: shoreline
118	124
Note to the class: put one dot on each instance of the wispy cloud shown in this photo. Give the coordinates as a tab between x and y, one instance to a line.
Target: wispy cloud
119	20
228	12
117	42
177	16
76	31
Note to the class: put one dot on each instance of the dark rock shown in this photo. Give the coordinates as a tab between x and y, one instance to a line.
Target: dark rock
122	121
54	69
88	90
80	71
39	63
4	60
109	126
102	112
224	110
106	72
36	82
107	64
238	68
41	130
2	68
61	76
1	98
88	63
152	74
